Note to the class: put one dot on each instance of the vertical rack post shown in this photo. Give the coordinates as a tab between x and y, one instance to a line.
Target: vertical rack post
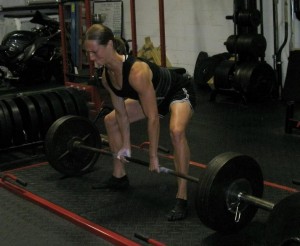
161	28
133	27
63	40
88	23
162	32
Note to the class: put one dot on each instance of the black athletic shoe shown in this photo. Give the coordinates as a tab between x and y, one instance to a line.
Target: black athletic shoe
179	212
114	183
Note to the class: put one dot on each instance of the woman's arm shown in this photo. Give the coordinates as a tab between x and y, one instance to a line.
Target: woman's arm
121	115
140	79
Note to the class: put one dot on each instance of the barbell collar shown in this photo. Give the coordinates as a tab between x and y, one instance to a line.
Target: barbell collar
77	144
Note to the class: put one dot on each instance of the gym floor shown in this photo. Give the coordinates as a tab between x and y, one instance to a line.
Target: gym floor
254	129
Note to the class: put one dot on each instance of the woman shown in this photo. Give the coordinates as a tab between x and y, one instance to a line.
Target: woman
140	89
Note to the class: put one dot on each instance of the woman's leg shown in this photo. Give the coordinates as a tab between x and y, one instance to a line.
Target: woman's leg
181	113
135	113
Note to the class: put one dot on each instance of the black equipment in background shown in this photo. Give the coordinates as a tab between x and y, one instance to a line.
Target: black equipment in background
32	57
291	90
297	8
247	76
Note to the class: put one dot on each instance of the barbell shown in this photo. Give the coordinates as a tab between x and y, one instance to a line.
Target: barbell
229	192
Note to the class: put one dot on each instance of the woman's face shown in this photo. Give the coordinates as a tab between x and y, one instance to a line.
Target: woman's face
96	52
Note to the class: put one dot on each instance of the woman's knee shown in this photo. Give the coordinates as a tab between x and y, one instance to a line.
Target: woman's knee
110	121
177	135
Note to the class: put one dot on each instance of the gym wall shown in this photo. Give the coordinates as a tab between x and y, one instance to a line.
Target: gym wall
192	26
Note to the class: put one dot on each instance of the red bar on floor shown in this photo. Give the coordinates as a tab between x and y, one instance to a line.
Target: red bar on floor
98	230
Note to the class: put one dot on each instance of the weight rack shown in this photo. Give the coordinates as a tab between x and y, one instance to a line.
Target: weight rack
246	76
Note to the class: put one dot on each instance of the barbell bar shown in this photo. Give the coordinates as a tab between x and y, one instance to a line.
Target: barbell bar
78	144
229	192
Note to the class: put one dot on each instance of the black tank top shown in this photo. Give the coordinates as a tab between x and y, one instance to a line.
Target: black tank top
164	81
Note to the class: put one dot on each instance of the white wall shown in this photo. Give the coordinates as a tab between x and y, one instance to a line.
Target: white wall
10	3
192	26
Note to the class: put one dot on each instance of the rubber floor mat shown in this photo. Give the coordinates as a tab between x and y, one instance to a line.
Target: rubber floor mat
141	209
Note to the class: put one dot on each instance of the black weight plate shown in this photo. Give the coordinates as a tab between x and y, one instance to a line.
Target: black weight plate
54	104
263	80
247	44
29	117
6	129
231	44
57	145
81	101
255	79
284	221
67	101
224	74
17	122
223	172
200	71
3	124
248	18
205	67
252	44
43	110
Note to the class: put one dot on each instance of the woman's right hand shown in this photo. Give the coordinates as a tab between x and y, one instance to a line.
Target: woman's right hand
122	153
